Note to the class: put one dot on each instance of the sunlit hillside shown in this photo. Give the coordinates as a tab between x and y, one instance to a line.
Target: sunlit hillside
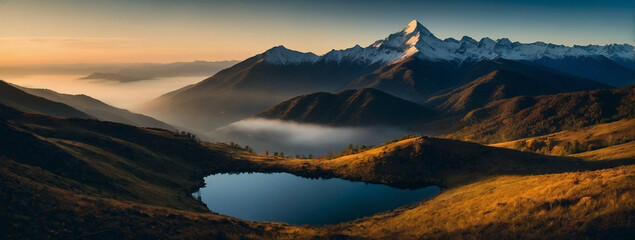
579	140
311	120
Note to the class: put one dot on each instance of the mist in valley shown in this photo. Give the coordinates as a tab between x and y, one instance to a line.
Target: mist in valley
295	138
123	95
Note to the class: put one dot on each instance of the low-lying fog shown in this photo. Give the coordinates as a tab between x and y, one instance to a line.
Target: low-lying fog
123	95
295	138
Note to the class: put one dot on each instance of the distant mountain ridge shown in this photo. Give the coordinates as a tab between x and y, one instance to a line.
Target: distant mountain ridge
18	99
365	106
113	77
147	71
417	40
411	64
492	80
99	109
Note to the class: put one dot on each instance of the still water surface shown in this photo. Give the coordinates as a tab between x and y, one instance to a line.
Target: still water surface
282	197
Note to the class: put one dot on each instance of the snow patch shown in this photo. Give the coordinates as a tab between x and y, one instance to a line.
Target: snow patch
282	56
416	40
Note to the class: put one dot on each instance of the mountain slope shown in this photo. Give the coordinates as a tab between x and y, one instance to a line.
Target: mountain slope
75	178
413	78
351	107
574	205
99	109
423	161
599	68
250	87
412	64
416	40
491	80
574	141
16	98
521	117
107	159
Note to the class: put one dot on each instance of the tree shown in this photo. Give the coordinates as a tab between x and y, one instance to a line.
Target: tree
297	156
266	152
281	154
275	154
249	149
310	156
577	147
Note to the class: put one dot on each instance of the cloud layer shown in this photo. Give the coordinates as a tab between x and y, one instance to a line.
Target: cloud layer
296	138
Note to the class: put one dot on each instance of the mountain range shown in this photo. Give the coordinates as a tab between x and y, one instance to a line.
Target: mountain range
411	64
138	72
560	165
528	116
44	101
18	99
63	178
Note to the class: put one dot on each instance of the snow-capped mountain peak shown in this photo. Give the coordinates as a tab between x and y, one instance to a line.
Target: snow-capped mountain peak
415	26
396	46
416	40
407	37
281	55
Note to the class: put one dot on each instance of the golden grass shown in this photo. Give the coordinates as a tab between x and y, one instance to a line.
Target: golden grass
142	180
574	141
545	206
622	151
421	161
590	204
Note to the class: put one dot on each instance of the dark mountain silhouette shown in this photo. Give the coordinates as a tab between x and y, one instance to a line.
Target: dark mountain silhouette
412	64
527	116
599	68
146	71
365	106
491	80
99	109
413	78
16	98
113	77
254	85
250	87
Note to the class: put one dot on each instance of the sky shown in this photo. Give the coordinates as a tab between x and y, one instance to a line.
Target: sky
91	31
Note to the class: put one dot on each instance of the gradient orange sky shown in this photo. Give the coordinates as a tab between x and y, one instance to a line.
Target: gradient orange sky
89	31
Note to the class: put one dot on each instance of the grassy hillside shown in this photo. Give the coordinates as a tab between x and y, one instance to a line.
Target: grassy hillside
521	117
108	159
83	178
16	98
577	140
35	208
422	161
616	152
578	205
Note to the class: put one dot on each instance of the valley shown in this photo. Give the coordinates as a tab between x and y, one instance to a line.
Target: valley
413	136
152	188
